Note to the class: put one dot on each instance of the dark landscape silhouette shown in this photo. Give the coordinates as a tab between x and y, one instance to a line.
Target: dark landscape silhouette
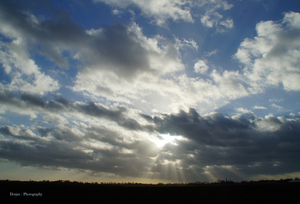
222	191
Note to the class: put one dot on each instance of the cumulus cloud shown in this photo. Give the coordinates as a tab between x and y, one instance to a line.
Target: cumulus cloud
272	58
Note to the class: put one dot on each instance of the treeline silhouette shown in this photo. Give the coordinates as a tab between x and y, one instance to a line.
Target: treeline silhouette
222	191
286	180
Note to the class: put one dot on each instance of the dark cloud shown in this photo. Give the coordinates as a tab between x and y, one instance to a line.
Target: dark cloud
5	130
98	110
50	35
62	146
119	48
61	105
7	97
214	129
35	100
245	142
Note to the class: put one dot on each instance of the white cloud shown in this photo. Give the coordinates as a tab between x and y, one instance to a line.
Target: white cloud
260	107
228	23
211	19
243	110
116	12
160	11
276	100
276	106
201	66
272	58
208	54
230	83
182	44
25	74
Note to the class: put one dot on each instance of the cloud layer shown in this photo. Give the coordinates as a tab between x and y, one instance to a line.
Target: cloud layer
198	147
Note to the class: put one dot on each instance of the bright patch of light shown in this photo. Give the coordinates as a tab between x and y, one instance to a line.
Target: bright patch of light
164	139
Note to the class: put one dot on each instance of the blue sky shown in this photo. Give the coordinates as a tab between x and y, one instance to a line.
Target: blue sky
149	91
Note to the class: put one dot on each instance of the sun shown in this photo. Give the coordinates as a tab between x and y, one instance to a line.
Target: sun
164	139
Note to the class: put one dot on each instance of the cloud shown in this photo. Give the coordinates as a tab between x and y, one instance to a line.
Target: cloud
208	54
243	110
271	58
34	104
228	23
276	100
126	52
159	11
212	18
230	83
182	44
117	62
200	66
53	36
244	142
276	106
120	49
211	143
259	107
24	73
117	12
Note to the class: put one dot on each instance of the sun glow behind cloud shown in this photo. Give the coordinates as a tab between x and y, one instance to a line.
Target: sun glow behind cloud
164	139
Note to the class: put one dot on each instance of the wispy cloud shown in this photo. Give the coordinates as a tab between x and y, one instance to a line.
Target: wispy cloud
276	106
260	107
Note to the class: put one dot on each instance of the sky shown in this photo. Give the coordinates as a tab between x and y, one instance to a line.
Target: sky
149	91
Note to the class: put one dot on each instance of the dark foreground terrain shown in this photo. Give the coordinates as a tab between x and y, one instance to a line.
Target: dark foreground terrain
74	192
